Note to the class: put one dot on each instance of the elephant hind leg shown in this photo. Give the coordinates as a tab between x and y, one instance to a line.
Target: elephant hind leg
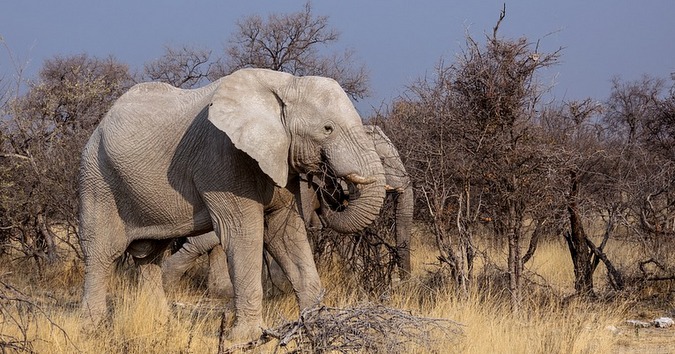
100	253
175	265
103	240
93	305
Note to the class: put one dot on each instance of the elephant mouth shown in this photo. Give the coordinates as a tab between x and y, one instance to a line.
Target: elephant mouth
334	193
349	201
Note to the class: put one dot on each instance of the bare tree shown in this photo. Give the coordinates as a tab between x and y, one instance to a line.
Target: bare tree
630	107
498	89
421	126
661	129
588	180
472	147
293	43
184	67
42	137
641	122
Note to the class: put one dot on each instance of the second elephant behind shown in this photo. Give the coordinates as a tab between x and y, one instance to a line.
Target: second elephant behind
397	183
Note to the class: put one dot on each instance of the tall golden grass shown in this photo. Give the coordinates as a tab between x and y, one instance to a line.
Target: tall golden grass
549	321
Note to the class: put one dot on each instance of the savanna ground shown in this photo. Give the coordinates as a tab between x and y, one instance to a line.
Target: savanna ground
41	313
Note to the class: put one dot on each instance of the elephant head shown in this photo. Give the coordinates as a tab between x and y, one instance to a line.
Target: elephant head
336	195
301	125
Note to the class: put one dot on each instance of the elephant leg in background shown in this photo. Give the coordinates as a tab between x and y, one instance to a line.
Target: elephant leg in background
175	265
219	282
150	274
273	276
286	241
403	204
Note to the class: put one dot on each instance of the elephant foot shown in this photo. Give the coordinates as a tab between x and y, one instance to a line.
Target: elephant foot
245	331
91	317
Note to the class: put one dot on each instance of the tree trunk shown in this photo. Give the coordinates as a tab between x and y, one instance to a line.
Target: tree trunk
576	241
515	260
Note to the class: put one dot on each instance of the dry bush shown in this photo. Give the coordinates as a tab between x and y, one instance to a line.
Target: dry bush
365	328
20	318
370	255
41	136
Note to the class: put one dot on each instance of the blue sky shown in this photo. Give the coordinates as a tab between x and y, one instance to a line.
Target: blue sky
398	40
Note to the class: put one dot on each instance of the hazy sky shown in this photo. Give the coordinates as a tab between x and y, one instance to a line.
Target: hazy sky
398	40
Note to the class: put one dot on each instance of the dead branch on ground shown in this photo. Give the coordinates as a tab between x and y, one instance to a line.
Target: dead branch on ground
370	328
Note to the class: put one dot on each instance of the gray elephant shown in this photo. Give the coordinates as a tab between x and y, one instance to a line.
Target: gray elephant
397	184
167	163
401	189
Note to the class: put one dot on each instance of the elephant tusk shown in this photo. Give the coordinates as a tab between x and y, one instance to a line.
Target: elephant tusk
358	179
389	188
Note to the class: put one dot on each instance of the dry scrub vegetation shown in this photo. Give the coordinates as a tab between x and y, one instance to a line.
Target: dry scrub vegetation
542	226
39	314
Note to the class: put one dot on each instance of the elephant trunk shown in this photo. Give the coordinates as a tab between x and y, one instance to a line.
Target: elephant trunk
365	203
359	213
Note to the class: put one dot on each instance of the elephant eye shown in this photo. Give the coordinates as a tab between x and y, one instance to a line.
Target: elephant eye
328	129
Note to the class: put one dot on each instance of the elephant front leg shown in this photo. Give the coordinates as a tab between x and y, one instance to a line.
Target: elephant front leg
244	244
286	241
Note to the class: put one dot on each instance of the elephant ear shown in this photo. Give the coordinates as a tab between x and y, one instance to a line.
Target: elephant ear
246	107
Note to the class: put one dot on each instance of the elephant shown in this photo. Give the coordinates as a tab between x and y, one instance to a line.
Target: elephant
166	163
397	184
400	186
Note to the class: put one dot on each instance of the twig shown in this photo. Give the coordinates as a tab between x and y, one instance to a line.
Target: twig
502	14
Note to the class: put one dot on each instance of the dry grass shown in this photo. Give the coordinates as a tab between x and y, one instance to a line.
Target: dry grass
548	323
